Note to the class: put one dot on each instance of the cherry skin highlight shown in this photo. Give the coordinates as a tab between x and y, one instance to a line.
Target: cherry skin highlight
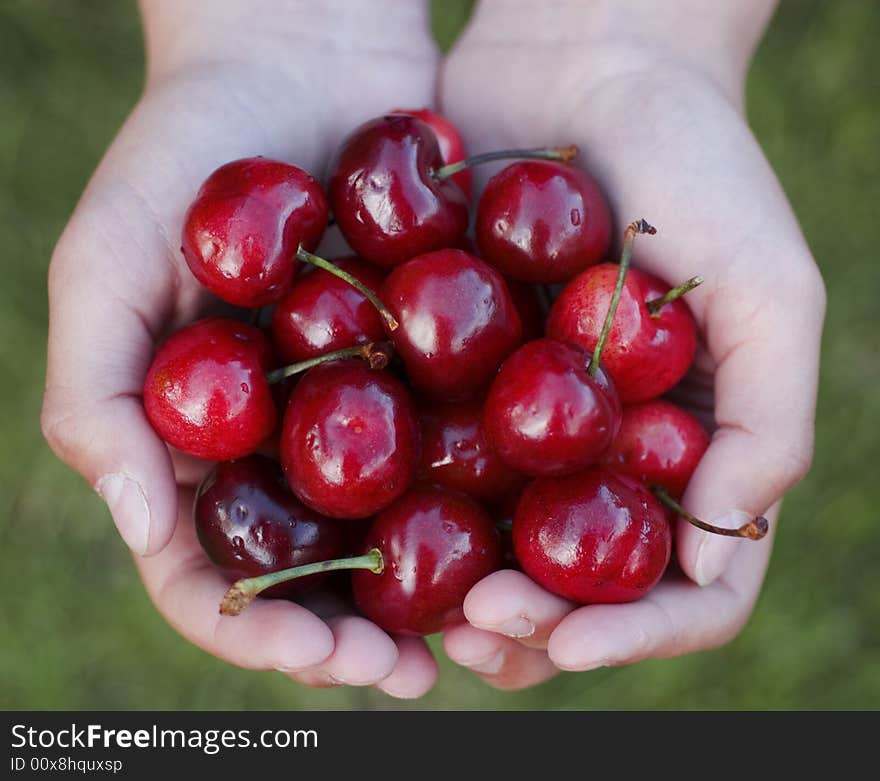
322	313
206	392
436	546
386	201
660	444
593	537
545	414
350	439
249	523
241	233
645	355
542	221
457	322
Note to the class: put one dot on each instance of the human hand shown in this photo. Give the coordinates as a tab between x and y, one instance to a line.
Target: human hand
225	80
662	129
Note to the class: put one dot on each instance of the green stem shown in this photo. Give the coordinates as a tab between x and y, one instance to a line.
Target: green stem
307	257
629	235
656	304
753	530
242	592
377	354
561	153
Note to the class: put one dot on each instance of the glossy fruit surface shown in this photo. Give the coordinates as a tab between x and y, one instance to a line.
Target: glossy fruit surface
593	537
457	455
457	322
206	391
241	233
350	439
542	221
322	313
386	201
249	523
545	414
436	544
645	355
660	444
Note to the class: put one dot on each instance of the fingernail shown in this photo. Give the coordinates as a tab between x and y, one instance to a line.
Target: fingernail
715	552
128	505
490	666
517	628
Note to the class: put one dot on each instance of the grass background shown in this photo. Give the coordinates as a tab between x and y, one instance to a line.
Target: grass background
77	630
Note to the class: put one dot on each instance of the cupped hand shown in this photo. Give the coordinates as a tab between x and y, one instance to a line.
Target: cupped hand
224	81
665	135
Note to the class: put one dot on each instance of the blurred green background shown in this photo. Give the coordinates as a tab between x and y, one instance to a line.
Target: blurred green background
77	630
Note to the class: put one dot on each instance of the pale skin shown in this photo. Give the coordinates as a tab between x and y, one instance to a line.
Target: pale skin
654	101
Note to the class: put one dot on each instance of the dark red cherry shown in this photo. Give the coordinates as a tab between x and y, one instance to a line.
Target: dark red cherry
660	444
206	392
645	354
436	545
456	454
249	523
350	439
542	221
595	536
385	199
546	415
457	322
452	147
241	233
322	313
528	305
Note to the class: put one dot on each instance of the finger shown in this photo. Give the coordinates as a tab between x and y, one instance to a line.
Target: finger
500	661
415	671
674	618
271	634
510	603
362	655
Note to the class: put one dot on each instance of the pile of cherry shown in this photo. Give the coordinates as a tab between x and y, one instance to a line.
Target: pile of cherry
435	417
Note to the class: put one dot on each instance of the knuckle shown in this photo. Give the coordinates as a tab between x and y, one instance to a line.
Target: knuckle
792	459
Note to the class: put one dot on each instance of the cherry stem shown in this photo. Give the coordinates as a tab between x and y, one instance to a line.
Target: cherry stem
561	153
377	354
629	235
307	257
242	592
656	304
755	529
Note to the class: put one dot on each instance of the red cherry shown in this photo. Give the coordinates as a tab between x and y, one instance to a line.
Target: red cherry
542	221
457	322
546	414
241	233
386	200
596	536
436	545
660	444
350	439
449	139
528	305
249	524
322	313
645	354
456	454
206	392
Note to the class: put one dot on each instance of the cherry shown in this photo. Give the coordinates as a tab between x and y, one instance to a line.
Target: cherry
249	524
546	414
528	305
452	148
241	233
350	439
457	322
647	352
323	312
592	537
542	221
660	444
206	393
457	455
